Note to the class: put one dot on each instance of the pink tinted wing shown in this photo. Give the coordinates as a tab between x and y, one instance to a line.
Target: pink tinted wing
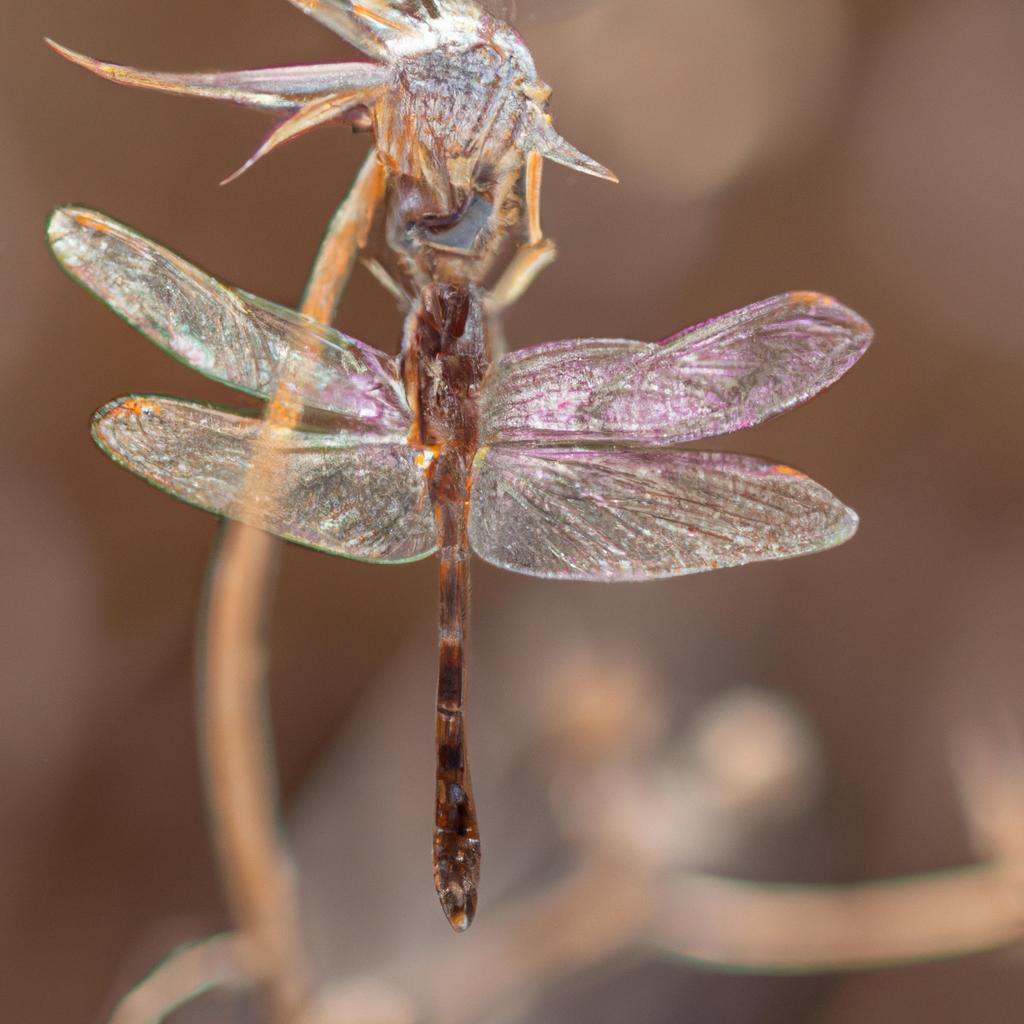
334	492
622	515
723	375
227	335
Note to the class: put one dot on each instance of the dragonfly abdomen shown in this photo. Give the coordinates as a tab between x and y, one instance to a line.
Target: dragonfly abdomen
456	834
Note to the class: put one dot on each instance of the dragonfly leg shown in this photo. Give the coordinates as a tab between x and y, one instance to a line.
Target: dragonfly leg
528	262
387	281
534	177
538	253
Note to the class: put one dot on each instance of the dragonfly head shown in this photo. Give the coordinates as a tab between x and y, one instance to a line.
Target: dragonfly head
449	132
454	130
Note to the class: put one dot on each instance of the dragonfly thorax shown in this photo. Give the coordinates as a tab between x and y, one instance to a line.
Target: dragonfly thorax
445	354
451	131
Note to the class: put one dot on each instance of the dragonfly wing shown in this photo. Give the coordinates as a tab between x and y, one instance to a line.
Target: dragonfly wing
591	514
343	493
728	373
227	335
271	88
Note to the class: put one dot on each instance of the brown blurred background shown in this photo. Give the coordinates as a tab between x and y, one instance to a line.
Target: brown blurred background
868	149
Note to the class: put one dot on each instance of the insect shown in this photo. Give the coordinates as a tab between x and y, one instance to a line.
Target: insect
563	460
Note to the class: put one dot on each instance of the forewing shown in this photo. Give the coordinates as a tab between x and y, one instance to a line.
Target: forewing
271	88
229	336
335	492
620	515
728	373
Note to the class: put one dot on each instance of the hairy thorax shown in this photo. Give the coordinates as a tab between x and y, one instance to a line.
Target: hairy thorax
445	355
450	131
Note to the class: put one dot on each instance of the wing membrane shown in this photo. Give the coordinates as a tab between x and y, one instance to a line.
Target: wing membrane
620	515
731	372
227	335
334	492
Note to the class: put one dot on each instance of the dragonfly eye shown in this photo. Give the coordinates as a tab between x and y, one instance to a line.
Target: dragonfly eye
420	207
437	222
463	231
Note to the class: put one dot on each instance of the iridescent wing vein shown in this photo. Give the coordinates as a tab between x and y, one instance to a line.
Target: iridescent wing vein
627	515
341	493
627	511
227	335
726	374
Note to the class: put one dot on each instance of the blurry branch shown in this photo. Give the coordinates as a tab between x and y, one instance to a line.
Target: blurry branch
811	929
989	771
239	765
187	973
627	893
599	911
603	911
637	814
792	928
255	868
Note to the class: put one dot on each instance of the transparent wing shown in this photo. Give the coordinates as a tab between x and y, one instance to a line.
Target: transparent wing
642	514
731	372
272	88
334	492
227	335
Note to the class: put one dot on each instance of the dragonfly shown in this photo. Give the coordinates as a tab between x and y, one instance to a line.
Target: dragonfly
565	460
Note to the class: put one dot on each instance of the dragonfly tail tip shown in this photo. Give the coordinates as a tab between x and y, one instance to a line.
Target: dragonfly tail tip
457	879
460	914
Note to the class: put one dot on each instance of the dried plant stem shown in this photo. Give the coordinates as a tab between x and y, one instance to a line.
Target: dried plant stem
811	929
598	911
239	765
187	973
609	909
614	903
345	236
